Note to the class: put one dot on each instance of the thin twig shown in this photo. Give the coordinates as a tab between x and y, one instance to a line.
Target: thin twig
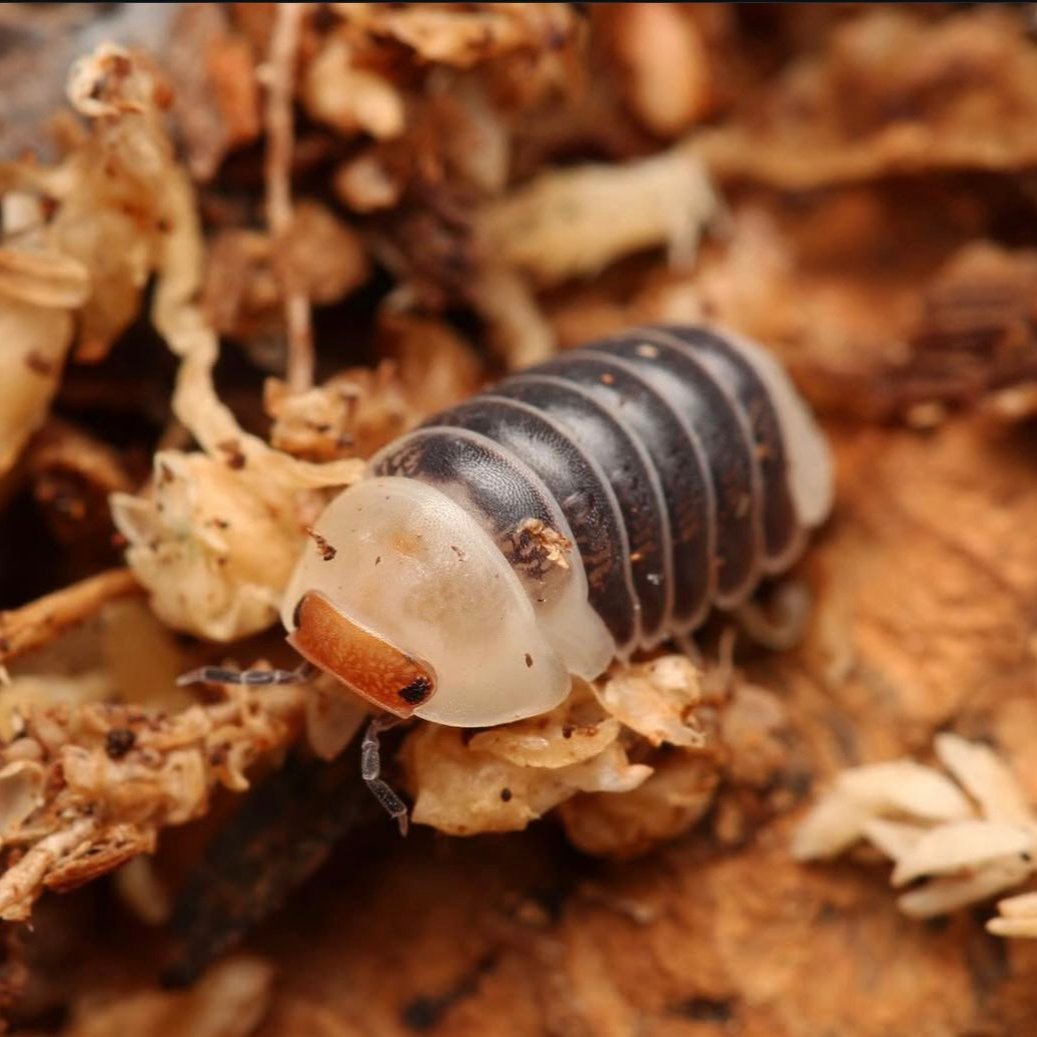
280	133
40	621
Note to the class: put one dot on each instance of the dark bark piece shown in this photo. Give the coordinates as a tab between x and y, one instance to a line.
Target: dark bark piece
279	837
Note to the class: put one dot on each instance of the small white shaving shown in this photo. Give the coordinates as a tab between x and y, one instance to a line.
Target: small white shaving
943	895
963	844
904	787
923	822
895	839
986	779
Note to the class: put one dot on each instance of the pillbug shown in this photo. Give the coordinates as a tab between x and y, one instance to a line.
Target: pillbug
590	506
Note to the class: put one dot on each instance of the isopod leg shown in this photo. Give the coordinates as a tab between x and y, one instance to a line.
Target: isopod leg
781	626
371	770
253	678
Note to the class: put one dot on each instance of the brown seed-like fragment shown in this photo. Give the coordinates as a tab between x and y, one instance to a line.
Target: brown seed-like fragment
324	549
118	742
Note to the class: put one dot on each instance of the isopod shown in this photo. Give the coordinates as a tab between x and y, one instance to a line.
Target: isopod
580	510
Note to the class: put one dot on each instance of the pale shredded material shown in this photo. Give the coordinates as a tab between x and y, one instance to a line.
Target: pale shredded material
114	775
657	700
36	328
354	412
501	779
1018	917
21	792
573	222
211	544
505	777
676	795
80	272
177	555
127	213
962	849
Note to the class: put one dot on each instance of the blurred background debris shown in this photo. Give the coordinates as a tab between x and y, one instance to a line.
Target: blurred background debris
245	245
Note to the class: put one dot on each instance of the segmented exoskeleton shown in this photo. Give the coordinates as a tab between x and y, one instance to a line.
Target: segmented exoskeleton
582	509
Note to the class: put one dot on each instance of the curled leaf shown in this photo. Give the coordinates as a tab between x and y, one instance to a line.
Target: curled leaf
657	700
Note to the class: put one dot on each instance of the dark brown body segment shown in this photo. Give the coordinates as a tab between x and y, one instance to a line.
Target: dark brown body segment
782	533
680	463
634	480
715	421
663	449
505	492
581	489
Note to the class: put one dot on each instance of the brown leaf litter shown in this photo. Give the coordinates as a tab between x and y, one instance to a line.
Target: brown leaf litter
363	212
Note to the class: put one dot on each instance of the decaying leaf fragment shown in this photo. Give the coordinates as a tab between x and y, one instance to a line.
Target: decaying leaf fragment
39	290
500	780
213	546
464	34
893	93
657	700
115	775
